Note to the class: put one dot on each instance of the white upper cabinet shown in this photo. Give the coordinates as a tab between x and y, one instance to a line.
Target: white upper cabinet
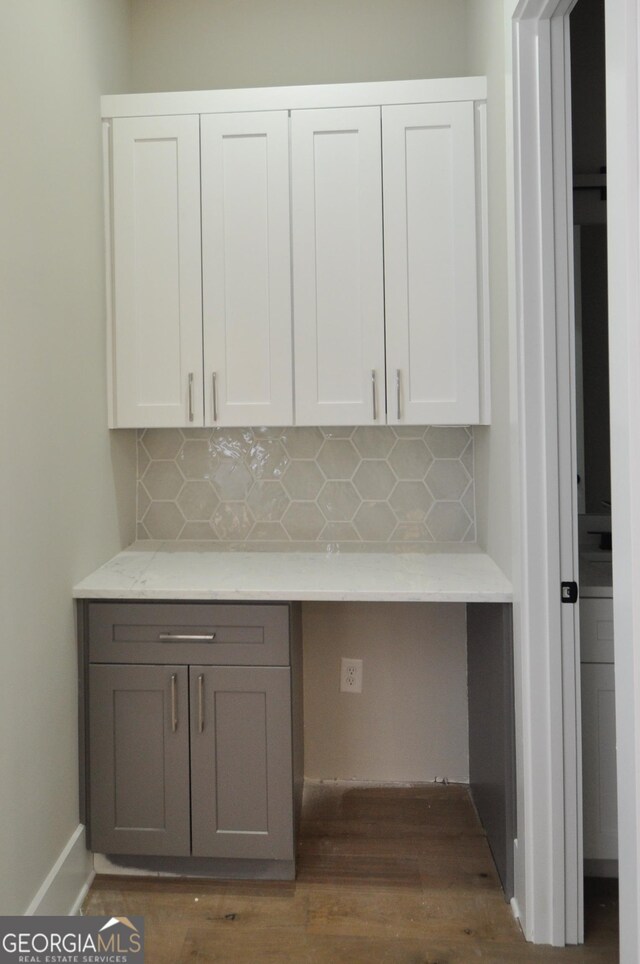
337	266
156	335
431	252
298	255
246	269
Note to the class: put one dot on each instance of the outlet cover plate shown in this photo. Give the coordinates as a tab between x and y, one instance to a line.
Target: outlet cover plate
350	675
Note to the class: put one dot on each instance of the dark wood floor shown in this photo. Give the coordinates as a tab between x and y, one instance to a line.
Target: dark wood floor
384	875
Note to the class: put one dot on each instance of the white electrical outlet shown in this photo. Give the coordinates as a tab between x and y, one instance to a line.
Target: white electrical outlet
351	675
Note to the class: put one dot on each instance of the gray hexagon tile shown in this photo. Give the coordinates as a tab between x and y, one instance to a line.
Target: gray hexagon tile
303	521
162	443
232	521
447	443
303	480
401	485
374	521
268	501
448	522
197	531
267	459
163	520
374	479
411	501
232	443
447	479
196	460
338	458
411	532
302	443
268	532
410	458
197	500
338	501
232	480
337	431
143	502
374	441
339	532
143	457
162	480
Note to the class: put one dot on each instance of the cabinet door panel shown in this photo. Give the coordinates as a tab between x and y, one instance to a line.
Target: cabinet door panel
157	299
599	762
241	767
337	265
431	289
246	268
139	753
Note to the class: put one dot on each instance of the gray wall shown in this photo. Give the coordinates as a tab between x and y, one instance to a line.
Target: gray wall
203	44
67	485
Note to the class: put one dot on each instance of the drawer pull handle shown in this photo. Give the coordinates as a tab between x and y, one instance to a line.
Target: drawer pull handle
174	703
200	703
373	395
186	638
398	376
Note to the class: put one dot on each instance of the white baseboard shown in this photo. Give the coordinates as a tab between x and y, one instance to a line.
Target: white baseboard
65	886
515	909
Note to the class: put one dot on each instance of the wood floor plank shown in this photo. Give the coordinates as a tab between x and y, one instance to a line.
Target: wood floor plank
394	874
364	870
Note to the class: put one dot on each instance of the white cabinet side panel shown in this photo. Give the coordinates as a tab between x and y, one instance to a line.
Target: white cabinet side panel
431	263
246	269
337	266
157	287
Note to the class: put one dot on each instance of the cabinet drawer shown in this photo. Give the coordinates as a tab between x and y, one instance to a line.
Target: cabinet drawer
596	630
205	633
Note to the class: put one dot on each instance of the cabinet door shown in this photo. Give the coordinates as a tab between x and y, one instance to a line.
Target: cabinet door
157	299
431	289
337	266
241	767
599	762
246	269
139	759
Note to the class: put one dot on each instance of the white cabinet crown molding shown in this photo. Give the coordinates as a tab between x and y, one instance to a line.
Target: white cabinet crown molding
378	93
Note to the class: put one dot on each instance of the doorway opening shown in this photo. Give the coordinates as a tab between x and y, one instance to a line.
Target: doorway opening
599	771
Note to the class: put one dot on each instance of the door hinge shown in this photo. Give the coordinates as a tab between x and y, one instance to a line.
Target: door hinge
569	592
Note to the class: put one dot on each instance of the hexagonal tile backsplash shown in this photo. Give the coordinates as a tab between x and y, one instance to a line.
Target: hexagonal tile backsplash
292	486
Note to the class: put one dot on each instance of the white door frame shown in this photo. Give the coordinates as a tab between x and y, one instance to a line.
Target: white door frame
548	852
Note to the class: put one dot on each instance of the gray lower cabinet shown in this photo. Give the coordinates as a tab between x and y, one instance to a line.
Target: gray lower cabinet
139	746
241	791
192	759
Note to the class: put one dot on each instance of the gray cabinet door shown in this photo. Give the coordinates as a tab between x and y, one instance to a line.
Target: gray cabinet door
241	770
139	759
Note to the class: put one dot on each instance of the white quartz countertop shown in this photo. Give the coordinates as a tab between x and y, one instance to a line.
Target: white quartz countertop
153	570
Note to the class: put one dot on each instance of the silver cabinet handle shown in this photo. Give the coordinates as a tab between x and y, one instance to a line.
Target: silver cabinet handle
185	637
200	703
191	396
398	392
373	395
174	703
214	395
